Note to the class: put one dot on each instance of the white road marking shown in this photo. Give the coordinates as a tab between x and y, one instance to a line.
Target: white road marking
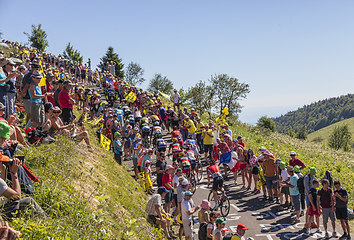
234	206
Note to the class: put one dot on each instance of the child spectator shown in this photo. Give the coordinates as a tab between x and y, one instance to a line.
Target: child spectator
341	198
314	209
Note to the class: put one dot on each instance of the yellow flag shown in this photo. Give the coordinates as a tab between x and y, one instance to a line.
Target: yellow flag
26	52
131	97
105	142
165	95
42	82
96	121
145	180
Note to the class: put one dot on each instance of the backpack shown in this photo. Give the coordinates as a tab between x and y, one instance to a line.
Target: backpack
300	185
328	176
202	233
229	236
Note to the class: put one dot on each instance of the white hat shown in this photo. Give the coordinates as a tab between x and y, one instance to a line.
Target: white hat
292	153
184	182
168	167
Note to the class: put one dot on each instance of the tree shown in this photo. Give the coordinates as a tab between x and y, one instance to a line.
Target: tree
266	122
72	54
227	93
182	96
112	56
201	97
291	133
340	138
302	133
38	37
134	73
160	83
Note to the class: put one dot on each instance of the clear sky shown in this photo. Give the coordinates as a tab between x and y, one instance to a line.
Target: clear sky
290	52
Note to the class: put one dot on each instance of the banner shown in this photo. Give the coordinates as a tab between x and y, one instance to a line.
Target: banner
42	82
131	97
105	142
145	180
164	95
96	121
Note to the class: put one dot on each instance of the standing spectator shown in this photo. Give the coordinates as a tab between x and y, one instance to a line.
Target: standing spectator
208	137
160	168
294	192
270	173
325	199
295	161
187	209
59	87
66	103
314	209
27	81
240	142
181	189
240	232
168	184
200	127
118	148
112	68
300	186
203	214
308	179
37	108
189	124
220	224
341	198
49	88
284	189
175	181
10	88
176	99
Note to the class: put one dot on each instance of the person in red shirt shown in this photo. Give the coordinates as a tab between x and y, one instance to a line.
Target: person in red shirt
168	184
240	142
295	161
218	181
66	103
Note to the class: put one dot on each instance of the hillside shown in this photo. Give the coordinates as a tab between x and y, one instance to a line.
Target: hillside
323	134
317	115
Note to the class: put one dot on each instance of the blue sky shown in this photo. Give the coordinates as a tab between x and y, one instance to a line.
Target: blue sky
290	52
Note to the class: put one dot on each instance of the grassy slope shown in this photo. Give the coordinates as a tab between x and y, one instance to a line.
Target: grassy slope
86	195
323	134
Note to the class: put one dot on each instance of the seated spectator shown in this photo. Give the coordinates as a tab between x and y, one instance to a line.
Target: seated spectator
57	125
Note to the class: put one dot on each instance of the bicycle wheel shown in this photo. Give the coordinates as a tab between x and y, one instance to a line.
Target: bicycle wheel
224	206
211	198
199	173
193	183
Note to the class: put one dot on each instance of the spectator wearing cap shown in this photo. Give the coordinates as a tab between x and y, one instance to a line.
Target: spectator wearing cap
27	81
187	210
175	182
154	210
22	71
270	173
57	126
308	179
203	214
167	182
217	233
199	131
189	124
37	108
176	99
208	137
295	161
8	89
181	189
49	88
240	142
66	103
59	87
301	190
284	189
240	232
118	148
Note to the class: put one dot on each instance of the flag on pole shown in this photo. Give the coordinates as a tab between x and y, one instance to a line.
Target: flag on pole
131	97
165	95
105	142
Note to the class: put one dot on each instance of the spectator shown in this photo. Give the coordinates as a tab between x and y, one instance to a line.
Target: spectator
27	81
189	124
176	100
324	198
314	209
284	189
161	164
341	199
118	148
295	161
181	189
294	192
217	233
59	86
167	183
208	137
57	126
10	88
66	103
270	173
175	181
308	179
203	214
154	210
301	189
37	108
187	210
49	88
240	232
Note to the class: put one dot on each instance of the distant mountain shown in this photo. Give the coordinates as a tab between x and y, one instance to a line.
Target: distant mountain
317	115
323	134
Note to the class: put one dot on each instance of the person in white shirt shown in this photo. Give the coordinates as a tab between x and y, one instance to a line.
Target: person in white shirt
187	209
175	182
176	100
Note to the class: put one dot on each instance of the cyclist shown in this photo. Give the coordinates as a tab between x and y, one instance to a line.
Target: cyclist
145	133
218	181
176	149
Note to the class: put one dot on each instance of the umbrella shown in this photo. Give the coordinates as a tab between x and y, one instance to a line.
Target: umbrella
4	45
16	60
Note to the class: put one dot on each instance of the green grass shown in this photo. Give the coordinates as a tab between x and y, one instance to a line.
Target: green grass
322	135
86	195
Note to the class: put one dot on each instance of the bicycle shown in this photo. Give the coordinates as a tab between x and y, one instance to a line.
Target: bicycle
223	202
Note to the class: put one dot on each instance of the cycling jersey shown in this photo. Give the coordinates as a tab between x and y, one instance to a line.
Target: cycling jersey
214	171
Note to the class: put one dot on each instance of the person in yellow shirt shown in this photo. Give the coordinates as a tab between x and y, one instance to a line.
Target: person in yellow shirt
199	132
208	137
189	124
241	230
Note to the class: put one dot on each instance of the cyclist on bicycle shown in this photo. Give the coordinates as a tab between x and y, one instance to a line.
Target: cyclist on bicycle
156	132
145	133
218	181
192	159
176	149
